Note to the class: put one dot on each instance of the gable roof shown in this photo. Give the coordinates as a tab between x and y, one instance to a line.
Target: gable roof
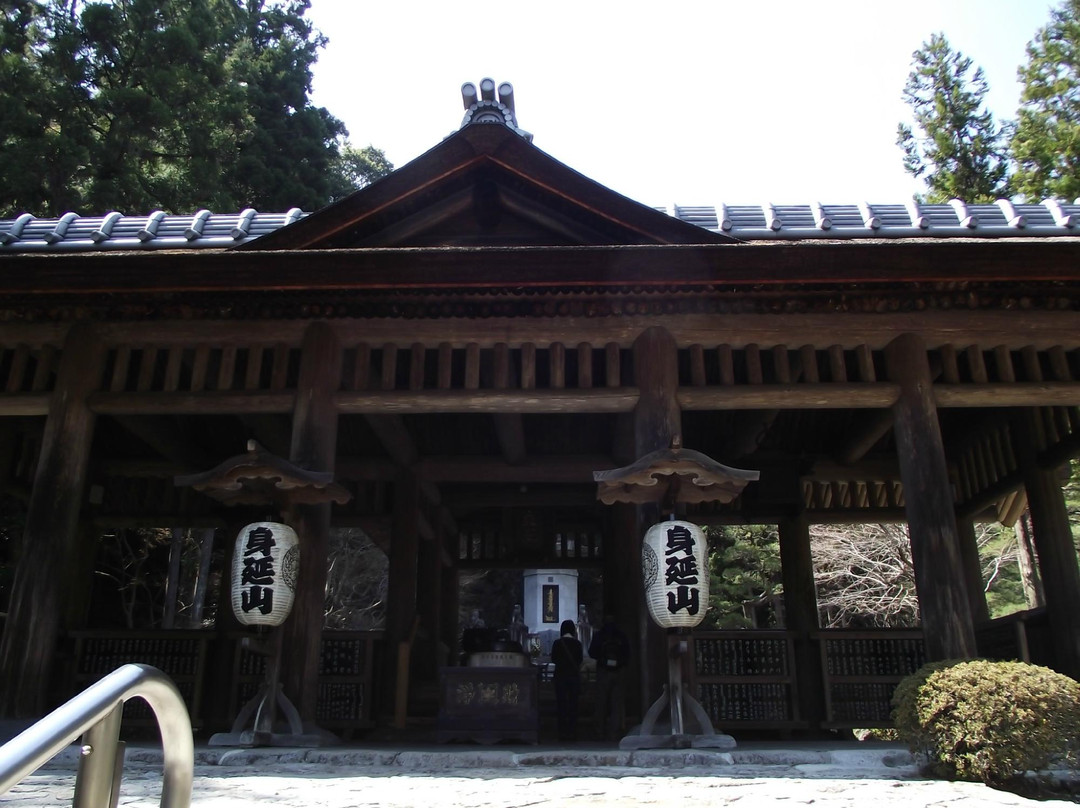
485	185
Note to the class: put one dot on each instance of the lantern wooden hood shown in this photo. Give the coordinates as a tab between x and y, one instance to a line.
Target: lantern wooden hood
262	478
670	476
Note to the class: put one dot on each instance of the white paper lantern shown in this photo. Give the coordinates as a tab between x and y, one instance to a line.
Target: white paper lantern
673	563
266	563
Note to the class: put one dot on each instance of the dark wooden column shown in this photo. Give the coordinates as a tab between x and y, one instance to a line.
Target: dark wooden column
657	421
1053	543
50	536
81	576
657	417
429	601
401	587
969	556
314	444
801	615
449	597
222	656
935	548
624	598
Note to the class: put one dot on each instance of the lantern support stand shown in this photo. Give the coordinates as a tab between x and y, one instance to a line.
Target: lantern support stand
254	724
261	478
670	477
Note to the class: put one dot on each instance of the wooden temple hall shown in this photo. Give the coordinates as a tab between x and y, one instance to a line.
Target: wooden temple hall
461	345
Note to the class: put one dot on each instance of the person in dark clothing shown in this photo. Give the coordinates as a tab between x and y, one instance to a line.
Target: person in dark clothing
566	654
610	647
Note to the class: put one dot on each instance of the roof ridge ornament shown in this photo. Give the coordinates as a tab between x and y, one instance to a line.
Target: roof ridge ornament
487	109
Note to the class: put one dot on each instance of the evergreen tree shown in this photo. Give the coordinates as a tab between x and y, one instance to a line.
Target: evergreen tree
1046	143
134	105
955	145
744	575
356	168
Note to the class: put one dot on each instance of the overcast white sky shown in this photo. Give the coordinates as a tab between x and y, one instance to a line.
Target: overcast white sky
692	103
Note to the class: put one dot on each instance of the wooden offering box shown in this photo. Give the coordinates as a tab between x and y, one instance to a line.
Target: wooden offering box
487	705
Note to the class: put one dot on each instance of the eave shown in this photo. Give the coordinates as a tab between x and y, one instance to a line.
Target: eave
756	267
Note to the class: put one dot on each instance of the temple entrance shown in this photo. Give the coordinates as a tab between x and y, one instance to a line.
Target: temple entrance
523	572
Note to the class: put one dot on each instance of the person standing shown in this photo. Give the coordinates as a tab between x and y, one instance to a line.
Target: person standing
610	647
566	655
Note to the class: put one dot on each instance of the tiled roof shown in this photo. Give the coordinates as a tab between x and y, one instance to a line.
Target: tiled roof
905	220
158	231
204	229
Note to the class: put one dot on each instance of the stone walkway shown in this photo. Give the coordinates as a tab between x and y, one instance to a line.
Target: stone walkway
469	777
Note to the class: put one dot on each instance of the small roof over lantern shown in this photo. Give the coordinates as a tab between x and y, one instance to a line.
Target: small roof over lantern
260	477
673	475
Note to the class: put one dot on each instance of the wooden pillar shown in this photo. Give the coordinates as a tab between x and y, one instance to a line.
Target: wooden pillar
217	701
1054	545
79	595
657	422
801	615
401	601
429	602
935	548
314	443
969	557
50	537
449	597
624	598
657	417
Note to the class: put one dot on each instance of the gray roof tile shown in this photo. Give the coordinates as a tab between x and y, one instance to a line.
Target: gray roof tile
768	221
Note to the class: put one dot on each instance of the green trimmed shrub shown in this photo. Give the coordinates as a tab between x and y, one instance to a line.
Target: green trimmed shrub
988	721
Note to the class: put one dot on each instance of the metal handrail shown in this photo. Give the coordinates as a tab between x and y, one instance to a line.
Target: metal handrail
96	712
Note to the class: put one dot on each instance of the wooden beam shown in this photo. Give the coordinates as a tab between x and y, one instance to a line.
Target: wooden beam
825	470
990	495
23	404
365	469
482	499
1015	506
1062	452
1009	329
119	521
161	435
763	265
399	444
873	395
395	438
870	429
494	401
567	469
857	516
800	396
1019	394
205	403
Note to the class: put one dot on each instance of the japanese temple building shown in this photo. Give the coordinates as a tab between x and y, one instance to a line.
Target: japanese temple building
464	342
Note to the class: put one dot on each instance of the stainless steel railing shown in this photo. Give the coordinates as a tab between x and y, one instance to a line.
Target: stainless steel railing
96	714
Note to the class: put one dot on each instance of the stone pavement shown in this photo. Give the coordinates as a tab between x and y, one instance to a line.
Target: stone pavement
847	775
